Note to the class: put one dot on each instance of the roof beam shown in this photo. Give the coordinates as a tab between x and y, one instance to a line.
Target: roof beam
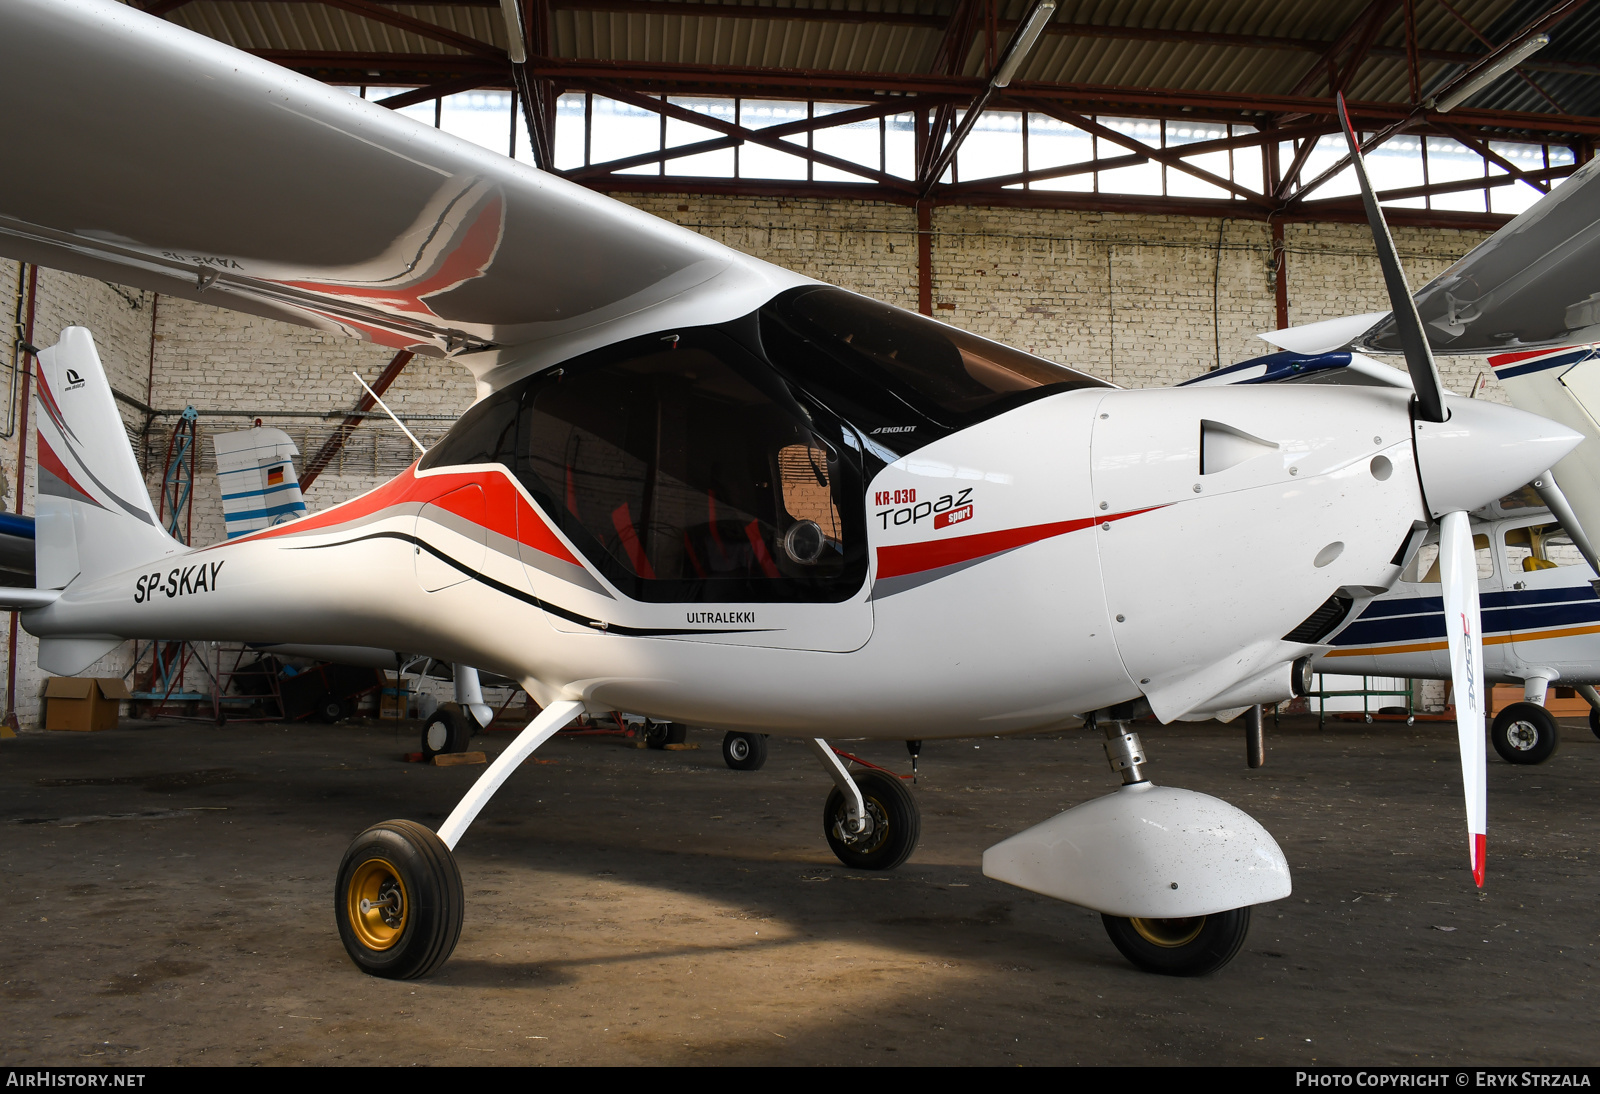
1044	174
378	13
1559	13
1328	64
1380	12
431	92
1533	178
1483	149
1462	19
1165	156
754	136
318	463
597	171
910	20
821	83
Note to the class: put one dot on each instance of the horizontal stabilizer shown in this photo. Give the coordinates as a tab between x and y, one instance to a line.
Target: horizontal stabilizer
70	656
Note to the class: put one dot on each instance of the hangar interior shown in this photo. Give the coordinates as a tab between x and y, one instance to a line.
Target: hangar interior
1152	186
1135	190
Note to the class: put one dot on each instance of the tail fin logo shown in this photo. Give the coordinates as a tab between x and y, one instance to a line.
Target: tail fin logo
74	381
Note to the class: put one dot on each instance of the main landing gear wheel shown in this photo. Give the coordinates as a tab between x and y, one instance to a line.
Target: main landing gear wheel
893	824
1524	733
1594	721
662	734
744	751
398	901
1180	947
446	731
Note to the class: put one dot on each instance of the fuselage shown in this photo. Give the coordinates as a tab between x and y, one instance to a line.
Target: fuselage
695	527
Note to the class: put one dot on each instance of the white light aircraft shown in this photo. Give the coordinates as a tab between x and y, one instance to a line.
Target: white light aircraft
702	488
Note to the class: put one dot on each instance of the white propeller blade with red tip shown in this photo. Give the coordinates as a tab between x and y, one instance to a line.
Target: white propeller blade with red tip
1459	571
1457	567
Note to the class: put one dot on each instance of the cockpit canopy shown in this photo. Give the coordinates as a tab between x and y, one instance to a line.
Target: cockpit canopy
729	464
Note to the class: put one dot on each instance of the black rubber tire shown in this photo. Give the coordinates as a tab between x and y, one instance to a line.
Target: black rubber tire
430	886
897	823
328	710
1594	721
1200	952
1525	733
446	730
662	734
744	751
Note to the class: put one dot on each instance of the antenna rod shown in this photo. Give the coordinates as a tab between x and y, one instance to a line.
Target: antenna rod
386	410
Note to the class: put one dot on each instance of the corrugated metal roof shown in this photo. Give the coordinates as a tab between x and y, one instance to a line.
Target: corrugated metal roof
1064	55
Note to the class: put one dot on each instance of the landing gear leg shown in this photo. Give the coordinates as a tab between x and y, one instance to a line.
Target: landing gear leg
398	901
871	821
1255	738
1186	946
915	748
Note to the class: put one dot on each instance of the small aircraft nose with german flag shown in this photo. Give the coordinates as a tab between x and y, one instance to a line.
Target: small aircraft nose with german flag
700	487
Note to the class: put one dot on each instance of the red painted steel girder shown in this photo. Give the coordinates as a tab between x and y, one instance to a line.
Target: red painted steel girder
815	83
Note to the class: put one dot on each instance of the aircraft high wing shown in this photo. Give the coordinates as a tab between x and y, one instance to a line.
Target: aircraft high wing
175	163
1534	284
706	490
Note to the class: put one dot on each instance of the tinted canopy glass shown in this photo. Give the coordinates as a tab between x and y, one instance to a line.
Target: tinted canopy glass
900	369
684	469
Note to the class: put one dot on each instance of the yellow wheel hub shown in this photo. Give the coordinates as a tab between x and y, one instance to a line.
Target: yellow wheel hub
1169	933
377	904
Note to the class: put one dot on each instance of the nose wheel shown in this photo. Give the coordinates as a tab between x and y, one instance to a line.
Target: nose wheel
1192	946
398	901
890	828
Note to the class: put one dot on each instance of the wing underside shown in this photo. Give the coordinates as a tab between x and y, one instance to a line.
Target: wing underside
159	158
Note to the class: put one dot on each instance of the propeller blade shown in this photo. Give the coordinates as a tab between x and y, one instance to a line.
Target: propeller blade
1459	572
1408	325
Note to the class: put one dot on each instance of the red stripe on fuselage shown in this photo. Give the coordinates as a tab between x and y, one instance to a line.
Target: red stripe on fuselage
913	558
505	511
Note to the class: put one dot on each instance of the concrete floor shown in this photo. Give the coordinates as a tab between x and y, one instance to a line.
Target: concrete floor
167	898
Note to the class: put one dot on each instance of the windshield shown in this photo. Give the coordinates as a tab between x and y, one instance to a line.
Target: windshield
934	377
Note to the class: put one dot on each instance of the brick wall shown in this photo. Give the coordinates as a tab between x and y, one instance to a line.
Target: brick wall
1140	300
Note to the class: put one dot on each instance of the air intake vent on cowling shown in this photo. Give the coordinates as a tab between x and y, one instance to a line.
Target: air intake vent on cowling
1320	623
1223	446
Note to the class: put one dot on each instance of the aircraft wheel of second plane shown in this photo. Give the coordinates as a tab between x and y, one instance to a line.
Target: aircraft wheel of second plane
398	901
744	751
894	823
1193	946
1524	733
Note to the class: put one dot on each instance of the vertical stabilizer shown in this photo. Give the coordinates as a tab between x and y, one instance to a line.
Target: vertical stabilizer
255	470
94	513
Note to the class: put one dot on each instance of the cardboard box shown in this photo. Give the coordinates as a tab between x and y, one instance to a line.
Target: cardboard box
395	699
77	703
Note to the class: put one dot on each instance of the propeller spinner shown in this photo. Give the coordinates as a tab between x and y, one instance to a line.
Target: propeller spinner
1464	450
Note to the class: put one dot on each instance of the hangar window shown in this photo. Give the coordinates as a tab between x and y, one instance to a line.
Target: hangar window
686	470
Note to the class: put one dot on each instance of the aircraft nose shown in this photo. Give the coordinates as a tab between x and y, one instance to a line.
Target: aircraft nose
1484	452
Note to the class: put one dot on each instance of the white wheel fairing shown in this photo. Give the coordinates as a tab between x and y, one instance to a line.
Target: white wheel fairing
1149	852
